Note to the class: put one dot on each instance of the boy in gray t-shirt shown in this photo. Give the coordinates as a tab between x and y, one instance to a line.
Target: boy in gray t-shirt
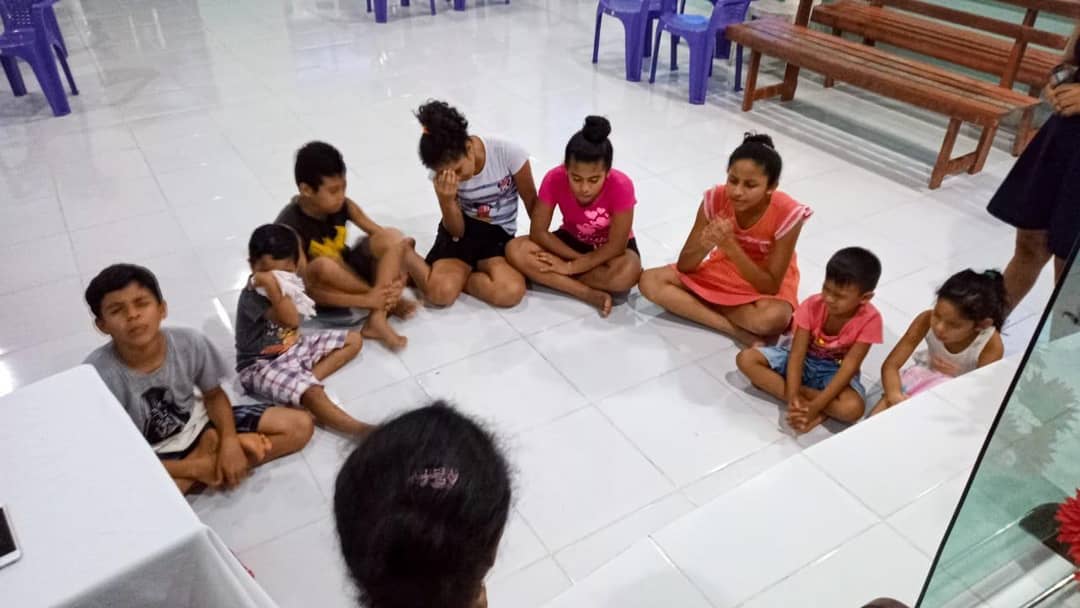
154	372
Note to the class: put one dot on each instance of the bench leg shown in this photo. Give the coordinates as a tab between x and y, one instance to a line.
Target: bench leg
791	82
986	143
751	81
1024	132
941	168
829	80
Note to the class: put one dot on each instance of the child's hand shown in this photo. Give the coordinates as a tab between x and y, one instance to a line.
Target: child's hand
269	282
446	185
552	263
232	463
719	233
1065	99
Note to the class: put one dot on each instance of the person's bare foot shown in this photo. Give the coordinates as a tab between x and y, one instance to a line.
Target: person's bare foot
256	446
807	424
380	329
405	309
602	301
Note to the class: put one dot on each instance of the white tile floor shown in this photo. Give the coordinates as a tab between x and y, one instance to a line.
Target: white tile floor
181	143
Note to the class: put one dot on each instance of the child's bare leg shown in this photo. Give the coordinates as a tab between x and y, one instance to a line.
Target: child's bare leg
663	287
256	446
446	282
615	276
329	414
200	466
387	272
331	283
753	364
338	358
288	429
390	247
766	317
521	253
497	283
882	405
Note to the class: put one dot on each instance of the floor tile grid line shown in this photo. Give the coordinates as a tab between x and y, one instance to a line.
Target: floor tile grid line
667	558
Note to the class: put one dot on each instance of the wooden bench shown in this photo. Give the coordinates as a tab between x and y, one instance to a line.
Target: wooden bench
961	98
985	45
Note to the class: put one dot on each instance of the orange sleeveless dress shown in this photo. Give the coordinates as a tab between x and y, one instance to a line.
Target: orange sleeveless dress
717	279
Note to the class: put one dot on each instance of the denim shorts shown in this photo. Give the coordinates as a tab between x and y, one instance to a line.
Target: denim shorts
816	374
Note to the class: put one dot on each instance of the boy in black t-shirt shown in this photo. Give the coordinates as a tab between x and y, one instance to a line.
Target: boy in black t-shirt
370	274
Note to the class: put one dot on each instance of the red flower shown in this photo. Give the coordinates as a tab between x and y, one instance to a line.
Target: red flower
1068	516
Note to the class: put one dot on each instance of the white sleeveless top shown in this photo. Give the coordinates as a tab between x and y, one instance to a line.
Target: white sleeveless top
939	359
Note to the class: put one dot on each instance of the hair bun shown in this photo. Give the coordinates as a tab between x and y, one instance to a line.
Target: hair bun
759	138
438	117
596	129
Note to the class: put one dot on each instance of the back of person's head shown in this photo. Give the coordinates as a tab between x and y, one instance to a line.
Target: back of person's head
315	161
117	277
445	134
275	240
759	148
421	506
591	143
977	295
854	266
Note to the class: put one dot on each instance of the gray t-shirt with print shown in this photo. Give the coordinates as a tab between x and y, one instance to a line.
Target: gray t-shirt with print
160	402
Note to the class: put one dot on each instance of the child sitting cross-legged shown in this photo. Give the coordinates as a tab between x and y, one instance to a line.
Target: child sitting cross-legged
817	372
273	359
169	382
962	333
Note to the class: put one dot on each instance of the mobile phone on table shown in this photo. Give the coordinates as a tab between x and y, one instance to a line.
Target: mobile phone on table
9	548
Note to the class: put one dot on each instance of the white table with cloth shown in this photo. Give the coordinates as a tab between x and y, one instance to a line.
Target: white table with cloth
99	521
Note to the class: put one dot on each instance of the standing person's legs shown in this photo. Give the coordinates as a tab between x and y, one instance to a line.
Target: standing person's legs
663	287
497	283
1029	258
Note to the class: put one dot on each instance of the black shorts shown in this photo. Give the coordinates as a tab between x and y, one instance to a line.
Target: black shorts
481	241
580	247
361	260
246	417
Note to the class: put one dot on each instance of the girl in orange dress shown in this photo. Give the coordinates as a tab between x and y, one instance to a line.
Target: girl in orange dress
737	272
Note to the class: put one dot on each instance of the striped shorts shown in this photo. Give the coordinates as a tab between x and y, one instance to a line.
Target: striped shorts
285	378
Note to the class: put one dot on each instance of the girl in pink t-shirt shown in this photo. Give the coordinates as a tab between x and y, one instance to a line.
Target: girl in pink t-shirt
593	255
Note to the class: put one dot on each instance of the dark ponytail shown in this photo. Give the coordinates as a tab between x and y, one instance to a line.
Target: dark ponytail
978	295
591	143
445	134
759	148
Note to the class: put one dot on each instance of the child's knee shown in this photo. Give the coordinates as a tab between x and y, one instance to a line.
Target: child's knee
317	269
650	283
748	358
625	274
848	407
302	428
442	292
508	294
354	342
771	320
517	250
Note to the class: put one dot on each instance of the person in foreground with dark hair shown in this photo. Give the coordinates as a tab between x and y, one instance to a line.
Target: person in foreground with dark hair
154	373
962	333
817	372
737	272
478	182
368	275
273	359
594	253
421	506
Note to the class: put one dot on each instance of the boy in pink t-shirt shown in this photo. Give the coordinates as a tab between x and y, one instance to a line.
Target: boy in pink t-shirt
817	373
594	254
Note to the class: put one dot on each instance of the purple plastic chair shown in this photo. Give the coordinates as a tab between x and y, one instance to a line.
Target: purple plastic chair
27	36
381	9
703	35
637	18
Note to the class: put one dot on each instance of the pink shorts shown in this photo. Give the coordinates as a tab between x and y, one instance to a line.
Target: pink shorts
285	378
917	379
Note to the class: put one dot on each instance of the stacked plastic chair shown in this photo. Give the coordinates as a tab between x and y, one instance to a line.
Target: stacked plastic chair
705	37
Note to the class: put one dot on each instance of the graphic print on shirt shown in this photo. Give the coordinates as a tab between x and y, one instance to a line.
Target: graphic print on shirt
492	208
278	339
595	231
328	246
164	418
827	347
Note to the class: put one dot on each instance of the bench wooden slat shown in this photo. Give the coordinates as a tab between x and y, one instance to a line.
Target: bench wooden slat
1063	8
969	49
914	82
979	22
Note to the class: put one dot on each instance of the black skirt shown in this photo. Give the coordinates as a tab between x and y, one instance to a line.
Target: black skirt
1042	192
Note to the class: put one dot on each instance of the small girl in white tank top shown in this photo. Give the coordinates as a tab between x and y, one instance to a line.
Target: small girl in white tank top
962	333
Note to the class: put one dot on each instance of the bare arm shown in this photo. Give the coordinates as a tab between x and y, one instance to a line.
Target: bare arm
282	310
618	237
993	351
446	189
1070	48
850	366
890	370
540	233
796	361
361	219
765	279
695	249
526	186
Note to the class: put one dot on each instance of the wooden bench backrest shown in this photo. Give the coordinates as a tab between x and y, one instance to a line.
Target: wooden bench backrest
1025	32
